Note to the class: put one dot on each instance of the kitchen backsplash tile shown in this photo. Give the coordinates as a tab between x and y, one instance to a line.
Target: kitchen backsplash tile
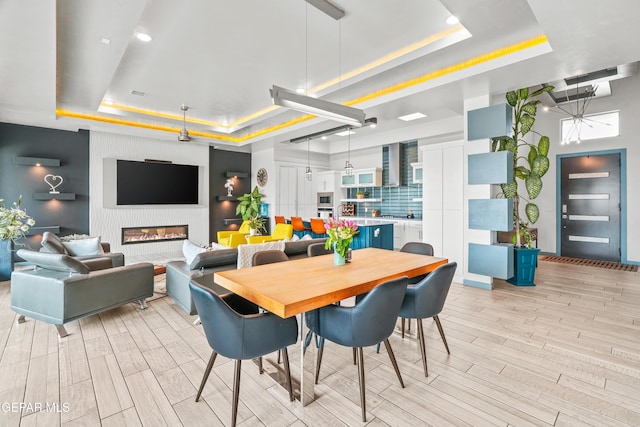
396	201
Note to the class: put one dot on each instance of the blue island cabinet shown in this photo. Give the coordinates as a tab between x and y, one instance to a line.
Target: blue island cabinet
374	236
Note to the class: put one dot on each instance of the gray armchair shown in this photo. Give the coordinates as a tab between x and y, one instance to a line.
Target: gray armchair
53	244
61	289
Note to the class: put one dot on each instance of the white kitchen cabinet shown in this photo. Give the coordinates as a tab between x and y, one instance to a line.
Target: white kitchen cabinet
347	181
326	181
296	195
406	231
371	177
414	232
398	235
417	172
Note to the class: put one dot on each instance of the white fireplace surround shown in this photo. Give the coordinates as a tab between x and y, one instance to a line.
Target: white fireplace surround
108	222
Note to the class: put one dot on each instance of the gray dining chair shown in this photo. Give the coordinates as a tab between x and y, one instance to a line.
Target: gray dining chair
421	249
316	249
263	258
426	299
369	322
236	330
268	257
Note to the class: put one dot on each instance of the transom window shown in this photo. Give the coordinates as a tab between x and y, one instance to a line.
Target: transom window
589	126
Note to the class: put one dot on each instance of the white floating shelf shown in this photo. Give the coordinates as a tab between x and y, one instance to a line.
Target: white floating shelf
360	200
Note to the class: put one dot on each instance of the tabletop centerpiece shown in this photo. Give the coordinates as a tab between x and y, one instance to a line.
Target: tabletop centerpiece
14	222
340	234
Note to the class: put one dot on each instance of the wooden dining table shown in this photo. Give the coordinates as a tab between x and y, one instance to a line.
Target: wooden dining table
297	286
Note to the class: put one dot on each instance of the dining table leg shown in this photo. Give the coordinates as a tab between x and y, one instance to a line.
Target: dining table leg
308	354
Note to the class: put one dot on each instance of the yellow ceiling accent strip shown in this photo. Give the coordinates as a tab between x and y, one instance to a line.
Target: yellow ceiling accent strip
452	69
163	115
390	57
111	120
489	56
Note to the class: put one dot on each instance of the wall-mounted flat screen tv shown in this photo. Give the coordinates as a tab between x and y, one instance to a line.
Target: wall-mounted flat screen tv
156	183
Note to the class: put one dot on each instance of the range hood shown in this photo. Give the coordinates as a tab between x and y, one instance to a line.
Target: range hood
391	174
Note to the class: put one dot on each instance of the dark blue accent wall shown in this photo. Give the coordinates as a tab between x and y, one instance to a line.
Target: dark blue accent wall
72	149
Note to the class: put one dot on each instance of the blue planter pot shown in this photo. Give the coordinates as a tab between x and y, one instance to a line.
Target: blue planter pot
526	261
6	260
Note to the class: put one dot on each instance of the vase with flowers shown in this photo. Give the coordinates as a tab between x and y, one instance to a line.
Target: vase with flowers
340	234
14	222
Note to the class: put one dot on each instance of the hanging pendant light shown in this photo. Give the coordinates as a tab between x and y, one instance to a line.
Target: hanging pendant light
308	173
348	167
184	133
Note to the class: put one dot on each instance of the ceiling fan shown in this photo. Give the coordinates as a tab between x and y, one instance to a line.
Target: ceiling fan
184	133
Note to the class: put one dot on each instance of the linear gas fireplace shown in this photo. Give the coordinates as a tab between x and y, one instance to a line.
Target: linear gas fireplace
131	235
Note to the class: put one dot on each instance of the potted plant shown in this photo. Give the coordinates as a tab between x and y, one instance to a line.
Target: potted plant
530	164
256	225
249	205
360	194
14	223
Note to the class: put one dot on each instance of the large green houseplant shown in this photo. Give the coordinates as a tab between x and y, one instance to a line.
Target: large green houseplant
530	159
249	205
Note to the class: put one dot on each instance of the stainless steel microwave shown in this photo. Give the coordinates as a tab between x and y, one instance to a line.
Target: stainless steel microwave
325	200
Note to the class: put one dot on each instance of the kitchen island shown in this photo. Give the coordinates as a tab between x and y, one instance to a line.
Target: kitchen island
374	233
404	229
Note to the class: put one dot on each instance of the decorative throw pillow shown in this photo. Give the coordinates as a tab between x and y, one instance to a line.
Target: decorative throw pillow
71	237
190	250
295	237
217	247
306	237
84	247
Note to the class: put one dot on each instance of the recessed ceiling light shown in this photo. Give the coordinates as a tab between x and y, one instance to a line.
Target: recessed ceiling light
143	37
345	133
105	40
452	20
300	90
138	92
108	102
412	116
324	138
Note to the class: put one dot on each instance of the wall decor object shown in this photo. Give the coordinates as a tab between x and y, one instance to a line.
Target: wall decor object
229	186
262	177
53	181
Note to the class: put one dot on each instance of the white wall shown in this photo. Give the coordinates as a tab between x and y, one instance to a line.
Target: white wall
107	222
625	97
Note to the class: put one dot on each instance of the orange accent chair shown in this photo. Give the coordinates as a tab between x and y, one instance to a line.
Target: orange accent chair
298	226
317	227
280	232
234	238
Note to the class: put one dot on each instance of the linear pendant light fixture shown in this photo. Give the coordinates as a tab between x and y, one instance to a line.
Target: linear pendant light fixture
318	107
371	122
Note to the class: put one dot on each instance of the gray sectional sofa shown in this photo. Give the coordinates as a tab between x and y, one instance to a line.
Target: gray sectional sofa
179	273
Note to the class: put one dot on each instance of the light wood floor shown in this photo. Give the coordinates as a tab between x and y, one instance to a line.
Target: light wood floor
564	353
